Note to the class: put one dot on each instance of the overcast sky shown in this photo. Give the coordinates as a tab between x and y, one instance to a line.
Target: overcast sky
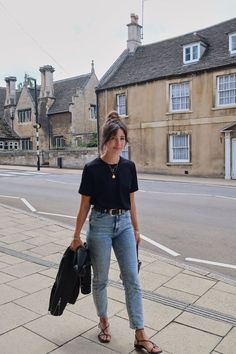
70	34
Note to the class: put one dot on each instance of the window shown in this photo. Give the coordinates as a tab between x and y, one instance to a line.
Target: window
24	116
179	97
121	104
179	148
226	90
26	144
59	142
191	53
1	145
232	43
93	111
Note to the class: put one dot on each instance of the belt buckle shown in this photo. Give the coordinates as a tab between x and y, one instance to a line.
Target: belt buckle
111	212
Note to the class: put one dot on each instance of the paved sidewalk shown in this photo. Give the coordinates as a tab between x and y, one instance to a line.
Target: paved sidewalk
187	310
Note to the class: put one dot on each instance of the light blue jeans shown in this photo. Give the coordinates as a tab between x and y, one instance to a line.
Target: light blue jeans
107	231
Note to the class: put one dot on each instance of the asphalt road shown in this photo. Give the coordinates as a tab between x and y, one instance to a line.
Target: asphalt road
188	222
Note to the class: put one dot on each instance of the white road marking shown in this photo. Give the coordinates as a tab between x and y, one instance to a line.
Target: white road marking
8	196
51	180
163	248
190	194
225	265
5	175
28	204
62	215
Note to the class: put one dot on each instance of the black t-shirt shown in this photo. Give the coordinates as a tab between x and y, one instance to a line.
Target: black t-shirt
106	192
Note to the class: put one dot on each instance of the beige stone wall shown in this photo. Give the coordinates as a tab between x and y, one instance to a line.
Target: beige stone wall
81	120
150	122
60	125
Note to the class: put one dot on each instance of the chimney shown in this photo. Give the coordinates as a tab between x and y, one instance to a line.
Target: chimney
134	34
10	91
46	81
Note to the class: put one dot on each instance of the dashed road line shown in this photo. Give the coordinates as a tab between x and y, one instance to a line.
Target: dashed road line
224	265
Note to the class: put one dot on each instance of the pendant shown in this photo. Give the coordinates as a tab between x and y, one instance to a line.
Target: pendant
113	176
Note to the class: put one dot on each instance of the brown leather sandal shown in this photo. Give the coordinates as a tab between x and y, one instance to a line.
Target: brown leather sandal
102	334
137	345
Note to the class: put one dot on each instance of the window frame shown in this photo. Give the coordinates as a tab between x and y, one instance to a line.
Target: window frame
24	115
231	35
26	144
118	105
171	157
191	46
57	138
93	111
171	85
218	91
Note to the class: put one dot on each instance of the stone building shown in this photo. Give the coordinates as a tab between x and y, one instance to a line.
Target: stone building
178	99
65	110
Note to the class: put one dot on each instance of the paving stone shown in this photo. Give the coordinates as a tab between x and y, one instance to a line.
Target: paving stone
48	249
228	343
116	294
83	346
82	305
179	339
54	228
204	324
11	259
23	341
3	265
13	316
19	246
31	283
201	274
16	237
156	315
188	284
4	278
225	287
219	301
23	269
8	294
55	258
150	282
51	272
42	240
122	335
36	302
177	294
162	268
60	329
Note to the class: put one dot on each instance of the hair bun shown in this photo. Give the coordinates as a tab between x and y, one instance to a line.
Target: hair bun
113	115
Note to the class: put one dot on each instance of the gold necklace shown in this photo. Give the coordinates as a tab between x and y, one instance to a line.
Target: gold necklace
113	170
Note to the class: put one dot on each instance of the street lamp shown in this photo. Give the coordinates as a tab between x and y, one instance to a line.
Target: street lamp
37	125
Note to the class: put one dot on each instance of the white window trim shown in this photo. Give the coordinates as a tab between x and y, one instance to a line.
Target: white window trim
117	104
230	43
170	98
171	158
218	104
191	53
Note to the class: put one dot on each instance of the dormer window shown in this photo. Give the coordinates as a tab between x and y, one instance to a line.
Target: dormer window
193	52
232	43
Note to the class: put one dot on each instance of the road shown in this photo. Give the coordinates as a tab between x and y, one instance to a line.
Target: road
188	222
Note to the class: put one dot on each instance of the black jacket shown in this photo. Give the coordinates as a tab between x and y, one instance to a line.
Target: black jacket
74	274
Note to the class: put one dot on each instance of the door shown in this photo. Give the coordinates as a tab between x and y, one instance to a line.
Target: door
233	158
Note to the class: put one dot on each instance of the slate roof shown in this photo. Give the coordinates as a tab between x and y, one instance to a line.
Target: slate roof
64	90
165	59
2	100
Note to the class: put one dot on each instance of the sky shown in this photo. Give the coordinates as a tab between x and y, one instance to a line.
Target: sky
70	34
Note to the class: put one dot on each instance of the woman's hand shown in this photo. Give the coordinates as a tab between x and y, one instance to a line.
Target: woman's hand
75	243
137	237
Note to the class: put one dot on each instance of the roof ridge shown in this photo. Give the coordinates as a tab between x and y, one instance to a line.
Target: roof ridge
72	78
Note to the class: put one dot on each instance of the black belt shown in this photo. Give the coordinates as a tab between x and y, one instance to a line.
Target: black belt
110	211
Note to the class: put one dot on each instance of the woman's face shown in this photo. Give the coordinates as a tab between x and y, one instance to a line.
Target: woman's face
117	142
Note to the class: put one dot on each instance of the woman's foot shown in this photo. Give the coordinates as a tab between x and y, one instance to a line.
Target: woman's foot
105	335
143	342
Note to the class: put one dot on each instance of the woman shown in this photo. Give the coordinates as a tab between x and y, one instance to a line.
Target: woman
108	184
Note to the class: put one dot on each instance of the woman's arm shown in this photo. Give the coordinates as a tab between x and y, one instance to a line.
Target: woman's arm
81	217
134	218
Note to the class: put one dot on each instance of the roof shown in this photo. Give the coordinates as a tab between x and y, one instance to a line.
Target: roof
2	100
5	130
165	59
64	90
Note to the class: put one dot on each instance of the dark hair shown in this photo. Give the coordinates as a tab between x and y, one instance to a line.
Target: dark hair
112	124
